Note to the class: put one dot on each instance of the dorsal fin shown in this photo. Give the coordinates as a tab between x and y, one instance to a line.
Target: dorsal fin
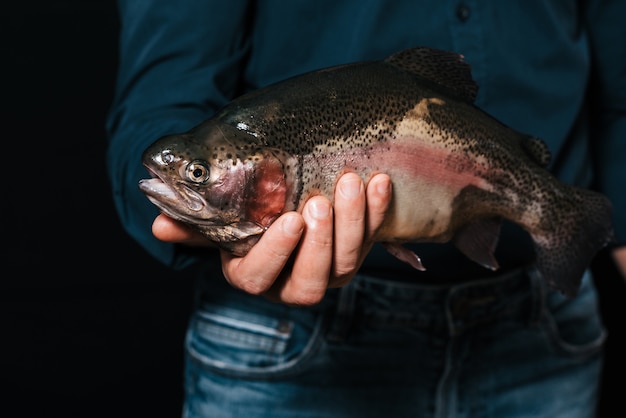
537	150
445	68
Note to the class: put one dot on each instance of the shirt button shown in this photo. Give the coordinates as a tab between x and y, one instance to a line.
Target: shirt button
462	12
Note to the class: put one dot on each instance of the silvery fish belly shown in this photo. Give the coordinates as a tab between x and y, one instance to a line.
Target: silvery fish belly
456	171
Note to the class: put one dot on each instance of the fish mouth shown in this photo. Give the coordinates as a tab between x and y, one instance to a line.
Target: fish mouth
181	203
178	201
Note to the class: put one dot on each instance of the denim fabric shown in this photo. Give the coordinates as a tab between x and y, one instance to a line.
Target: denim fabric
498	347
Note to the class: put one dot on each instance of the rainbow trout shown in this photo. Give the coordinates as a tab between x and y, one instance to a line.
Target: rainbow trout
456	171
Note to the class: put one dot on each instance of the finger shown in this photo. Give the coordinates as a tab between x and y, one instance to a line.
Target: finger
307	283
167	229
619	256
363	231
378	193
256	272
349	227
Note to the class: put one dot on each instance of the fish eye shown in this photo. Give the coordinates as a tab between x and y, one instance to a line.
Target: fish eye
198	171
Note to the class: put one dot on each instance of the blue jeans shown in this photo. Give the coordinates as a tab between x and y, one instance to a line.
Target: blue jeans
497	347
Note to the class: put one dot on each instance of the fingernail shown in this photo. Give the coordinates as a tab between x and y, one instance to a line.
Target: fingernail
320	209
383	187
292	226
350	187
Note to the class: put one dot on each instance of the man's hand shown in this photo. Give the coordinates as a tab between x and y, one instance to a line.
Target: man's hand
301	255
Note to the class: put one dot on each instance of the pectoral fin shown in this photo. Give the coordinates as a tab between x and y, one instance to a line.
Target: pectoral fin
404	254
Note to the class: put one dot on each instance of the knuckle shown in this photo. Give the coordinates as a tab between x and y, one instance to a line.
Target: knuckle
346	260
343	272
253	287
308	298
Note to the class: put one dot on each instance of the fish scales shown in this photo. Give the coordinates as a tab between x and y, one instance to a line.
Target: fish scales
456	171
356	134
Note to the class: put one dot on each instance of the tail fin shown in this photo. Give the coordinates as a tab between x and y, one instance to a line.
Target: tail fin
582	228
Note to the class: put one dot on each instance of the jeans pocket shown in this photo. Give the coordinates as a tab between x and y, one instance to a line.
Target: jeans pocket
265	343
574	326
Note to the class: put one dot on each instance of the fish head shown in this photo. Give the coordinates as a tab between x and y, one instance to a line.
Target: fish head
220	180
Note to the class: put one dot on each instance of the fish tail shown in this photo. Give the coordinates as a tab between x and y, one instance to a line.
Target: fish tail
579	227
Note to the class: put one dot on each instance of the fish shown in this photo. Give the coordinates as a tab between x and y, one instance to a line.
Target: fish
457	172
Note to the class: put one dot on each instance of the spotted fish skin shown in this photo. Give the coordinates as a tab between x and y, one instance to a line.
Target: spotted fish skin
456	171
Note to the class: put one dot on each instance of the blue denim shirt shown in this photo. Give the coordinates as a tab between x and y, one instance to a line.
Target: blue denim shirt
551	68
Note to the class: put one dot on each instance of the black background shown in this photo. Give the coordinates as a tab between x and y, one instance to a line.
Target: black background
90	325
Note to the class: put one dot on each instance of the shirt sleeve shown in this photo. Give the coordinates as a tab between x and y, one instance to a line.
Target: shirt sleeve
606	32
179	61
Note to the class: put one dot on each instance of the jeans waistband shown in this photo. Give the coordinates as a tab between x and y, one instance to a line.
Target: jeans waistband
451	309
